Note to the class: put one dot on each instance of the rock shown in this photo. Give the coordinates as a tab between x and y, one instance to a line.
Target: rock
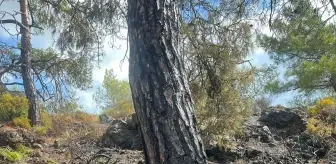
271	137
105	119
17	136
38	153
124	134
274	137
37	146
265	138
38	160
272	145
40	141
253	153
266	130
223	156
284	123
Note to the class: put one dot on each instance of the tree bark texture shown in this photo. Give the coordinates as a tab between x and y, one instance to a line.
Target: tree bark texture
160	91
34	112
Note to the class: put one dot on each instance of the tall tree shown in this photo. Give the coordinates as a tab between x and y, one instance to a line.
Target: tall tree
114	97
25	60
79	29
160	90
304	42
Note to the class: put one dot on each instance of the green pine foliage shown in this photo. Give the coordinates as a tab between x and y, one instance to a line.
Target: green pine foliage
305	44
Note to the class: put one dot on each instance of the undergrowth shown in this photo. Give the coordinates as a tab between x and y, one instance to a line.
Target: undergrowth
21	152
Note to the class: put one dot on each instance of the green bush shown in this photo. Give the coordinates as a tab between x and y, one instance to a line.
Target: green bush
12	156
51	161
125	109
322	118
13	106
22	122
41	130
84	117
19	154
24	150
222	117
46	121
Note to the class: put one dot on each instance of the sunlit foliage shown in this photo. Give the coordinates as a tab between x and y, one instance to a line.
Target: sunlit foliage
22	122
114	97
322	118
304	43
12	107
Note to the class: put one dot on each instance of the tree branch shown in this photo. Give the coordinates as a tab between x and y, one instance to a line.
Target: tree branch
5	21
8	68
35	26
333	5
1	2
14	83
32	18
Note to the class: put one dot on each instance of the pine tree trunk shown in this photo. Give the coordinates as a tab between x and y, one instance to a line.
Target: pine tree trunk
34	113
160	91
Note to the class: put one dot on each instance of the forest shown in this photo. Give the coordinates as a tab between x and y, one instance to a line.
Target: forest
167	81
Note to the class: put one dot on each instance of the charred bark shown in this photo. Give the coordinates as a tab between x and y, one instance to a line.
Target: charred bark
34	113
160	91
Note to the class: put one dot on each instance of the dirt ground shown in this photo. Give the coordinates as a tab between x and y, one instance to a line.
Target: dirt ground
76	151
71	151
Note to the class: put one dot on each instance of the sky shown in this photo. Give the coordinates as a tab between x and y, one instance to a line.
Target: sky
111	61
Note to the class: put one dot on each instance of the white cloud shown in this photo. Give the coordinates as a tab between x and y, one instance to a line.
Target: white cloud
85	99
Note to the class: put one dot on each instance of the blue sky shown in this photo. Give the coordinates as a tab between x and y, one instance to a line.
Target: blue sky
111	60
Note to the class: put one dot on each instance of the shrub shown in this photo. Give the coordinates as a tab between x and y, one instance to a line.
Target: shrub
46	122
22	122
119	113
318	127
261	104
221	118
51	161
24	150
320	105
12	156
322	118
19	154
60	123
80	122
46	119
13	106
41	130
85	117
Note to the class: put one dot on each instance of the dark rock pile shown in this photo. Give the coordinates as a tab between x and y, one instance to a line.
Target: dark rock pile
14	137
105	119
274	137
123	134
